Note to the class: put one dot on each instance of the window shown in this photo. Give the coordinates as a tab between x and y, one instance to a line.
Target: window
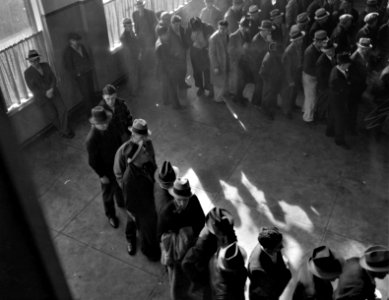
117	10
19	33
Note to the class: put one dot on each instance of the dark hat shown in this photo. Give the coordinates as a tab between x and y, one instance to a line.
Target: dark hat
139	126
231	258
371	3
109	89
295	33
218	219
74	36
329	46
325	264
343	58
344	18
275	13
321	13
175	19
244	22
364	43
32	55
267	25
134	150
140	3
100	115
126	21
320	35
181	188
253	9
375	259
167	175
371	17
302	18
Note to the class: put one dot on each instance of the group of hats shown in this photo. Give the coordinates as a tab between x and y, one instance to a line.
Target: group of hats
177	186
327	265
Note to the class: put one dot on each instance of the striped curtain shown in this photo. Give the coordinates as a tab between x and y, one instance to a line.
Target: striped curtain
13	63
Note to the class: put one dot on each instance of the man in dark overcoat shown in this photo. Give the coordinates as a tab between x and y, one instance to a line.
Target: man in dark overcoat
323	21
233	15
267	270
370	29
324	65
316	273
357	280
102	142
78	63
138	189
272	74
41	81
342	35
131	54
166	177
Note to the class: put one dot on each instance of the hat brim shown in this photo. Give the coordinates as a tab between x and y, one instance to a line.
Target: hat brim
33	58
94	122
148	131
362	262
171	192
280	15
254	12
365	47
325	275
269	29
322	17
142	3
302	34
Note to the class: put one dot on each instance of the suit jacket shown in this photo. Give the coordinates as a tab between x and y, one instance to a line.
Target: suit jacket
218	55
292	60
343	38
327	27
178	44
310	287
75	63
340	88
368	32
267	280
272	71
361	67
121	116
102	147
323	70
354	282
311	55
258	50
39	84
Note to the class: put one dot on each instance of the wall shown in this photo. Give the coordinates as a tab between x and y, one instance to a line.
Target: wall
59	17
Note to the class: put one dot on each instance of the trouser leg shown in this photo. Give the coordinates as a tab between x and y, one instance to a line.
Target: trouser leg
130	228
309	84
108	201
62	114
147	225
118	193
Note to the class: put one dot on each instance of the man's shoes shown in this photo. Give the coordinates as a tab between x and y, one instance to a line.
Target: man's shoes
131	248
200	92
344	145
114	222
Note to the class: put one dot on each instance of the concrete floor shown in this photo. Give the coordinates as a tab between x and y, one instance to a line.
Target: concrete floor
284	173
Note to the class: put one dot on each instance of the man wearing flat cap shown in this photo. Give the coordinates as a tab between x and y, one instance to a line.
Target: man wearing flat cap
137	183
357	280
132	55
343	35
370	29
78	63
323	21
102	143
41	81
255	19
316	273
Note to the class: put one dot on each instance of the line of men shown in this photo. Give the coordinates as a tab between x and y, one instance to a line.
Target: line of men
200	252
326	51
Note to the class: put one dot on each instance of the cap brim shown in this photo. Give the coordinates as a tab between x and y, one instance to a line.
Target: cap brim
319	18
363	46
362	262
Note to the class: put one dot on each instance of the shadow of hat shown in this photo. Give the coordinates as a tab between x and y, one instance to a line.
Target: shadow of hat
100	115
325	264
375	259
167	175
231	257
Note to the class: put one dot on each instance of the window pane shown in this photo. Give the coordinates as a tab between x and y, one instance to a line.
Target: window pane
14	22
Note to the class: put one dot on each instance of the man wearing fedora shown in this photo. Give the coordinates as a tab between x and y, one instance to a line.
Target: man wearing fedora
137	183
102	143
78	63
304	23
183	213
228	273
314	276
217	232
166	177
144	23
357	280
121	115
210	14
272	74
343	35
278	34
323	21
255	20
292	60
258	49
132	55
41	81
341	81
268	272
311	55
